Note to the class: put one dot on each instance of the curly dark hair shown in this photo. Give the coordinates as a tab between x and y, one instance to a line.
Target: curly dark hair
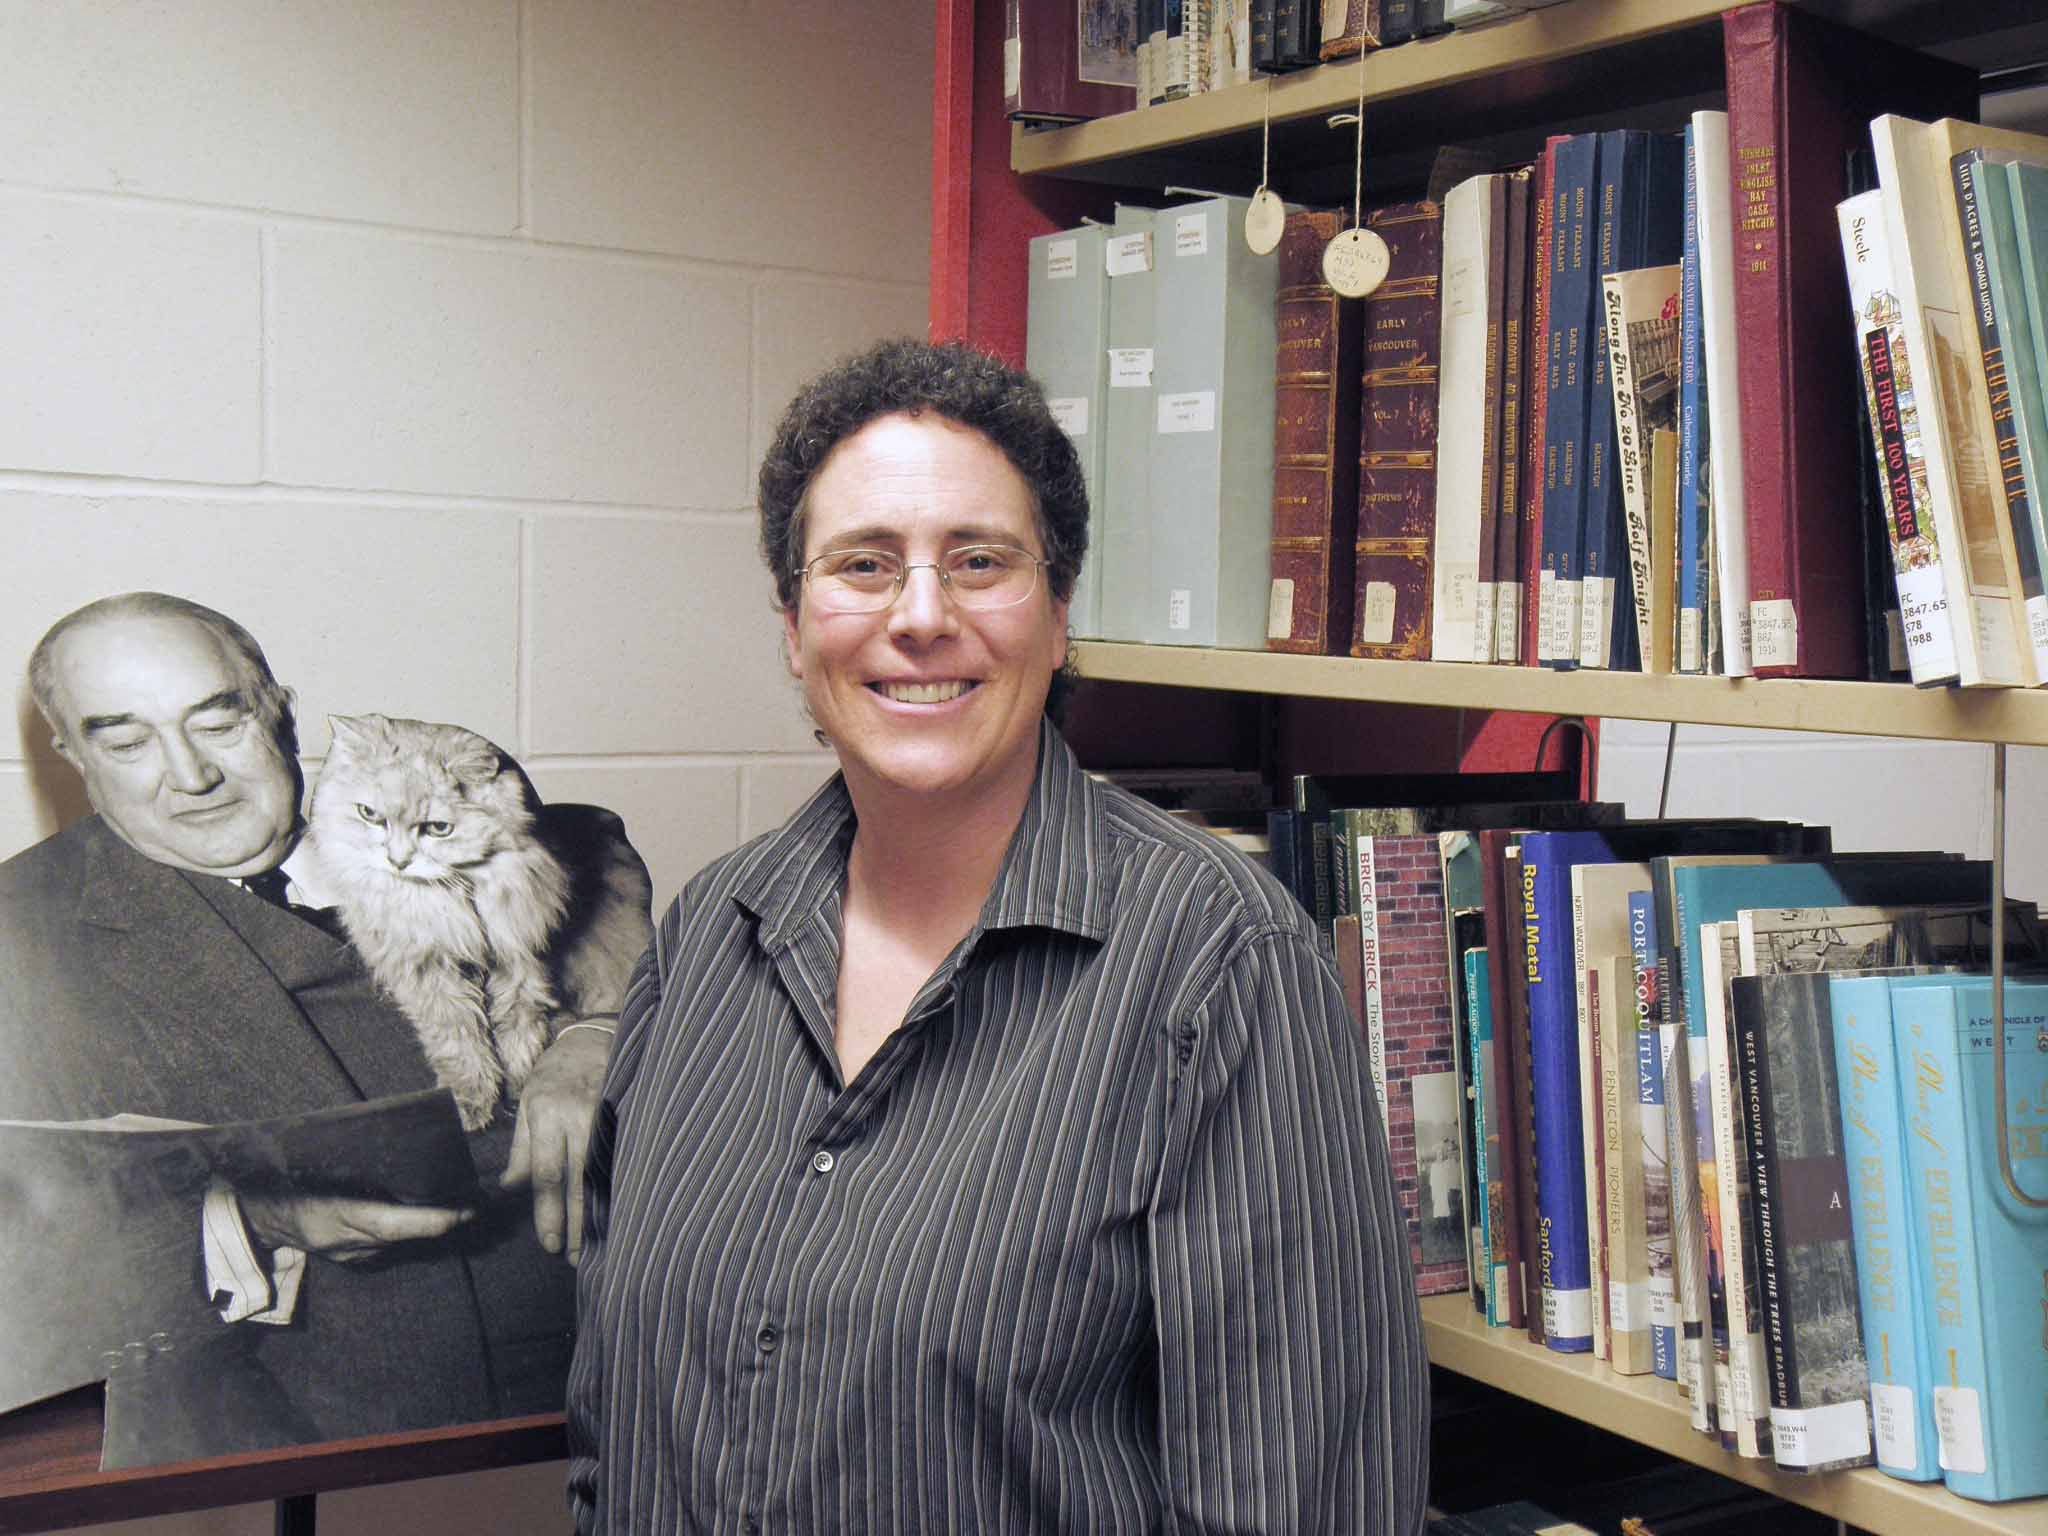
911	377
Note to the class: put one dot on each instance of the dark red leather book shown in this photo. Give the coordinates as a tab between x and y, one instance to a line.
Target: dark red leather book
1362	30
1062	64
1535	398
1315	447
1397	437
1801	94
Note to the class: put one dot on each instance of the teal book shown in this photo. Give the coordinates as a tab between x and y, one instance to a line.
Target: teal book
1887	1266
2029	186
2017	300
1984	1258
1493	1250
1066	348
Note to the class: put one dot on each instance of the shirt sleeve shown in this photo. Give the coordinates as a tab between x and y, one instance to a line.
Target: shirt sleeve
586	1427
1293	1383
243	1289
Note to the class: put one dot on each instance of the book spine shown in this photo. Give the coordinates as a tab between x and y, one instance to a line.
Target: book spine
1898	441
1652	1051
1364	880
1528	1219
1981	197
1495	289
1592	1127
1315	448
1567	347
1887	1270
1628	1299
1562	1254
2019	316
1398	437
1461	487
1726	514
1502	904
1736	1340
1621	166
1507	547
1491	1253
1263	55
1694	553
1351	27
1536	393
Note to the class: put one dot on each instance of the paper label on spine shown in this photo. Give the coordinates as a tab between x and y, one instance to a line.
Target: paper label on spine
1130	367
1628	1306
1336	15
1898	1425
1959	1419
1180	609
1923	611
1507	621
1773	633
1062	259
1689	640
1013	66
1482	624
1177	64
1194	412
1376	624
1128	254
1280	609
1562	604
1191	234
1663	1302
1596	620
1813	1437
1546	615
1995	652
1568	1314
1071	412
2037	632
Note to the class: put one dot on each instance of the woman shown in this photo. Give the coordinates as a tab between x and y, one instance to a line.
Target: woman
981	1151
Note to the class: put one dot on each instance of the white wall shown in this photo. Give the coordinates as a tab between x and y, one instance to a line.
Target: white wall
1875	792
437	341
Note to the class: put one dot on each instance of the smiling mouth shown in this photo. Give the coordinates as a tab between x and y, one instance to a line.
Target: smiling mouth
923	693
208	812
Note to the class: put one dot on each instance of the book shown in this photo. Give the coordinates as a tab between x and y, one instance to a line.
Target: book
1889	1303
1724	518
1738	1324
1397	437
1693	652
1464	899
1066	348
1920	231
1528	1225
1492	1247
1981	1252
1898	442
1508	592
2012	376
1350	27
1315	447
1629	1347
1663	658
1642	345
1652	1064
1801	91
1568	354
1536	402
1640	223
1504	1059
1125	558
1211	443
1468	419
1065	61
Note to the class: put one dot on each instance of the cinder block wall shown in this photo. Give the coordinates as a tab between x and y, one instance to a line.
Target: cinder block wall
437	341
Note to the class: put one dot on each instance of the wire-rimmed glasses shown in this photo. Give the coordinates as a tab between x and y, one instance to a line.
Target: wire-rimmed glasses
975	576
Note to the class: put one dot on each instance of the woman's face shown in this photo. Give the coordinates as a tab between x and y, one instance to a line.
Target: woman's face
926	696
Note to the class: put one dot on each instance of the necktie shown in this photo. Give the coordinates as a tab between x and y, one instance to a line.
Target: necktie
270	885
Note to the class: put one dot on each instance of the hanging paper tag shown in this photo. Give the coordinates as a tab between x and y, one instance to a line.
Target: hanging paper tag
1265	222
1356	262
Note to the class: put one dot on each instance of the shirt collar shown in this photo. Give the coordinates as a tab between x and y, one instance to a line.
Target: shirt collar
1054	873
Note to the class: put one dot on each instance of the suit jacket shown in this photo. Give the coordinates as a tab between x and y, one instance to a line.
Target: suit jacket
126	985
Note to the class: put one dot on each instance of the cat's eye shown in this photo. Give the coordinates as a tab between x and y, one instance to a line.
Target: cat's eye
437	828
369	815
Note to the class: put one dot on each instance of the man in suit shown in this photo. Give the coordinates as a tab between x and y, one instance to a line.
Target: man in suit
149	965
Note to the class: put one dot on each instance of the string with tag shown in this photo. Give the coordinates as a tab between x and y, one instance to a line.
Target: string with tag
1356	262
1266	219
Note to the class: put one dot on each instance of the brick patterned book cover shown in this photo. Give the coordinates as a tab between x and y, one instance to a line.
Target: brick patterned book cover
1411	1035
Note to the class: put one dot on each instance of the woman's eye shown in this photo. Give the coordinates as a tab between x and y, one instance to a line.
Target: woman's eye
369	815
437	828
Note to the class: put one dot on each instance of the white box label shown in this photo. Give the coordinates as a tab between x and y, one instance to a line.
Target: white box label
1062	259
1130	367
1689	640
1376	624
1280	609
1959	1419
1071	412
1188	413
1180	609
1126	254
1814	1437
1191	234
1898	1425
1013	66
1773	633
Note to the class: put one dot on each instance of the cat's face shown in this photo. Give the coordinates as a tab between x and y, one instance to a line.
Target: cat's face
410	800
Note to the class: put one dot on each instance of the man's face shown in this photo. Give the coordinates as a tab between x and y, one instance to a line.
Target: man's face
159	714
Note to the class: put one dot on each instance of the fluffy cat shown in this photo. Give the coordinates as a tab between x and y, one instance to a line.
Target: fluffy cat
484	914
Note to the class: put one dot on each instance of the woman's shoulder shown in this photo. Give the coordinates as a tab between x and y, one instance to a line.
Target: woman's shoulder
1157	850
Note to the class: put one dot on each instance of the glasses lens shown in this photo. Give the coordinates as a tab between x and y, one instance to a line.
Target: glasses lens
990	575
855	580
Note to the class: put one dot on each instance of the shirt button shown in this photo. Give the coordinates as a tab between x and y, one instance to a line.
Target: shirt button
767	1338
823	1162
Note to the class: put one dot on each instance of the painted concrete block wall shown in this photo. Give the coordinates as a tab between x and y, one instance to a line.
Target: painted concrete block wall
438	344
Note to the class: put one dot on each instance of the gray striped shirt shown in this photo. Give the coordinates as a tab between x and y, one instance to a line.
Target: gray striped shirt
1102	1240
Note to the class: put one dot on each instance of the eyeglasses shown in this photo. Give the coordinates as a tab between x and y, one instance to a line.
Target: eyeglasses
975	576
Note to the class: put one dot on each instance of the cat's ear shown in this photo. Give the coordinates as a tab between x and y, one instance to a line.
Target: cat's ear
346	728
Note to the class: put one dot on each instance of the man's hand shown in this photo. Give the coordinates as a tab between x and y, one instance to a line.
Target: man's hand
552	1133
345	1230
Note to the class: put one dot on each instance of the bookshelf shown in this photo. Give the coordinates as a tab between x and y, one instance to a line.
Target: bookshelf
1498	90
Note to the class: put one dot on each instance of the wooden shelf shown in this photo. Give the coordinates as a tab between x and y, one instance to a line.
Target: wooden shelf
2019	717
1648	1410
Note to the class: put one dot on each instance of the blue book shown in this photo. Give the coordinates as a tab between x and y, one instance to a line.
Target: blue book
1493	1253
1567	350
1887	1272
1653	1054
1693	560
1640	223
1563	1254
1984	1259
